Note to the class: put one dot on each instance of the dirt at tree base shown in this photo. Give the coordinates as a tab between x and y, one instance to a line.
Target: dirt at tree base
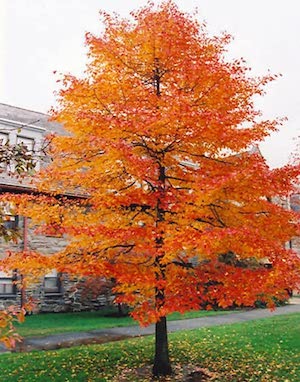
181	372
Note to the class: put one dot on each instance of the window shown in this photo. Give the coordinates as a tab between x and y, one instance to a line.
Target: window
30	163
3	138
3	141
9	220
295	202
27	142
52	282
7	284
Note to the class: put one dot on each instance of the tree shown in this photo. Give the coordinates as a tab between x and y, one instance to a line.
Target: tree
178	207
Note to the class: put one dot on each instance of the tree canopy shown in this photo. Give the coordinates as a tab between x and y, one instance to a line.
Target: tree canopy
177	204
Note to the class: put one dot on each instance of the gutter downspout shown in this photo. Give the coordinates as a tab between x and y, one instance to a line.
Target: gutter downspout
25	248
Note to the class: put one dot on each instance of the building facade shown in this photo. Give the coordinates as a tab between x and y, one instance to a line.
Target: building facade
53	292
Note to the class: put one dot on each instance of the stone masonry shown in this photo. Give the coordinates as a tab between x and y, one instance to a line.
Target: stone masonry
66	293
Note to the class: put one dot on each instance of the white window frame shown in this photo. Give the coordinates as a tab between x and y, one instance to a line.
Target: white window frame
5	276
53	275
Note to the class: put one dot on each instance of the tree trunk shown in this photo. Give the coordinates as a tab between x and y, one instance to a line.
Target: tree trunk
122	310
162	365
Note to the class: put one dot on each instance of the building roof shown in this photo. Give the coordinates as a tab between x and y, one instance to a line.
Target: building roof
29	118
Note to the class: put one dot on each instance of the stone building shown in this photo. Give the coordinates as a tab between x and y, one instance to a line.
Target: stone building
294	204
291	203
54	292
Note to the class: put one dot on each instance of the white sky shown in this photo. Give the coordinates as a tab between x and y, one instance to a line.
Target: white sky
40	36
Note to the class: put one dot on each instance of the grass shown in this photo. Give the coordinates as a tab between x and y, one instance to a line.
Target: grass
54	323
255	351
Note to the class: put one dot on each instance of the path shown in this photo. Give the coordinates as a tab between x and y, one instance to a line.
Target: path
114	334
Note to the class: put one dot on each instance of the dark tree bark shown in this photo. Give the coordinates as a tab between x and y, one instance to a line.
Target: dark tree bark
162	364
122	311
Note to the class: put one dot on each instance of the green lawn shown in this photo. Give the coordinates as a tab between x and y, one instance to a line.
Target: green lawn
51	323
266	350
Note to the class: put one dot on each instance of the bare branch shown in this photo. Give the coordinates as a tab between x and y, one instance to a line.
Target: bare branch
183	264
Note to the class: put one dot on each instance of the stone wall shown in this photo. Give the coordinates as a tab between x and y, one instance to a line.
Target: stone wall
70	297
72	294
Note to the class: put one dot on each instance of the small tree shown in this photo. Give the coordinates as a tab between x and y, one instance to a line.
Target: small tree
16	157
161	130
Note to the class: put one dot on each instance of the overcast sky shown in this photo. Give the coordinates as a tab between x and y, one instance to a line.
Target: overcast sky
40	36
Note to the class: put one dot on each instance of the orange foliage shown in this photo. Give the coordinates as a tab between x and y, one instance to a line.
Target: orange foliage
160	133
8	336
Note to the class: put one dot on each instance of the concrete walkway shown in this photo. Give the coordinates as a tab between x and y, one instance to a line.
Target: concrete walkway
115	334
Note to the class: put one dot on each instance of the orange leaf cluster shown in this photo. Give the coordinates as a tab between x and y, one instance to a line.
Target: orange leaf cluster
8	317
